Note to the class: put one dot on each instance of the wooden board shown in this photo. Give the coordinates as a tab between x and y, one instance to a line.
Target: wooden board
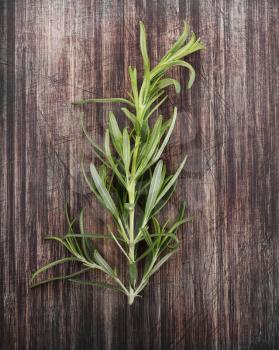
221	291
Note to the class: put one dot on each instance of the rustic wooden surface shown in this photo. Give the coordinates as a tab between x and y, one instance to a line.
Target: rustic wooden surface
221	291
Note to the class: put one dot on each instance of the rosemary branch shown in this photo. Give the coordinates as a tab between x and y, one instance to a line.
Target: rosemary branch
131	183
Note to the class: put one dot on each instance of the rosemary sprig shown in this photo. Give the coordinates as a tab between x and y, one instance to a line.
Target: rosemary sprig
132	182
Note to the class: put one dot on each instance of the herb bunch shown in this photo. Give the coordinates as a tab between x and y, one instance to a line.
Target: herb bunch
132	181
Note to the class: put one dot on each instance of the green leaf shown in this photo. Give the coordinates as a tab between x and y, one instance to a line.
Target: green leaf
167	82
90	185
197	47
103	173
153	247
179	43
126	151
172	180
74	248
150	147
143	47
166	235
133	273
85	235
156	225
104	100
183	51
103	264
85	245
129	115
107	200
145	86
57	278
167	137
52	264
164	200
146	236
156	107
115	133
134	85
154	189
154	98
58	239
161	262
177	224
191	71
111	160
167	65
97	284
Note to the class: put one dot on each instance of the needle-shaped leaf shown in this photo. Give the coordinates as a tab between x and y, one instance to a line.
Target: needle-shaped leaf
161	262
155	96
197	46
167	82
115	133
145	86
143	47
129	115
58	278
167	65
180	41
183	51
134	85
177	224
133	273
103	264
156	225
85	244
172	181
85	235
164	200
192	72
146	236
167	137
97	284
61	240
111	159
150	147
104	100
52	264
106	197
126	151
154	189
133	119
90	184
103	173
156	107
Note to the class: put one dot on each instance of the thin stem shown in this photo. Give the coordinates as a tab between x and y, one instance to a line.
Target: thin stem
131	297
131	194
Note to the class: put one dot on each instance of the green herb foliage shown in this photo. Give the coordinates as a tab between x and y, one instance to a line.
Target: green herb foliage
132	182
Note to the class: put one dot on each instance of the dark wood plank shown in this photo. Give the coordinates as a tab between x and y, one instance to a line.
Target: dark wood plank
221	289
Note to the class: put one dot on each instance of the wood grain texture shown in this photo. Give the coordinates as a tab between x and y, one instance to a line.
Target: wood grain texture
221	290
